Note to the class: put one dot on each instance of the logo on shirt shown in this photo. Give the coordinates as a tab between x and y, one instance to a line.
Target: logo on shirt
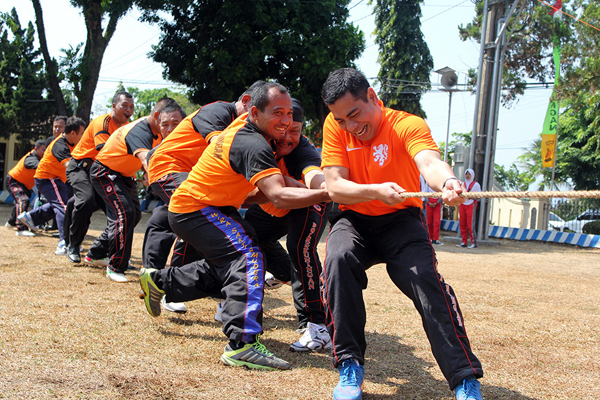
352	149
380	154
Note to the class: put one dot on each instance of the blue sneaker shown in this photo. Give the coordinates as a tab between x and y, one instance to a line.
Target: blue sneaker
469	389
351	382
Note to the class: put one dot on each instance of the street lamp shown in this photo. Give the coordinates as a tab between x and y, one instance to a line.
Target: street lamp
448	81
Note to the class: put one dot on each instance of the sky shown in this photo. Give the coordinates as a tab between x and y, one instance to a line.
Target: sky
125	61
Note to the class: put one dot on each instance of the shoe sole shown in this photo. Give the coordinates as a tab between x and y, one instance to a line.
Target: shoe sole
239	363
305	349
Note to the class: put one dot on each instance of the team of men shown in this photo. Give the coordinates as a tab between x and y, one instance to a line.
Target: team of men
253	152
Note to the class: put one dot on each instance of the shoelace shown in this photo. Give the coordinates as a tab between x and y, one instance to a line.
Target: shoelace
470	388
258	346
349	375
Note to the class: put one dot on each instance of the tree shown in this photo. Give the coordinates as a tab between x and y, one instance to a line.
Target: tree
528	54
85	60
24	105
146	99
403	54
219	48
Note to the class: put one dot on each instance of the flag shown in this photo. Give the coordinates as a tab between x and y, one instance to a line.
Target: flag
550	130
556	8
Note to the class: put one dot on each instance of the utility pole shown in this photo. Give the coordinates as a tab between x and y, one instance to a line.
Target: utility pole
496	14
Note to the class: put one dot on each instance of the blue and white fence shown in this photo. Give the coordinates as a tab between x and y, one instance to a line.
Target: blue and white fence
578	239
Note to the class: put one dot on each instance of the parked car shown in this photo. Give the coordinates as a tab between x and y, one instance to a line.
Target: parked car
576	225
555	222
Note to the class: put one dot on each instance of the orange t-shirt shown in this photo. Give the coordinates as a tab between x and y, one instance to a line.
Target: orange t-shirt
303	159
94	137
388	157
54	162
227	170
24	171
180	151
121	149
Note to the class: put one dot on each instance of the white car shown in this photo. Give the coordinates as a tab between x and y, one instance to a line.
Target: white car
555	222
576	225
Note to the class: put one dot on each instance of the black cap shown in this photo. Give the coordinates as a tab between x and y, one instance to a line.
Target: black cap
298	110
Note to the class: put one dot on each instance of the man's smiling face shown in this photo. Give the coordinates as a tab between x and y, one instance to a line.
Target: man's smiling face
359	118
274	121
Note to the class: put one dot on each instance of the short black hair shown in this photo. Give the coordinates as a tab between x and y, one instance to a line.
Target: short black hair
60	117
342	81
73	124
40	143
251	89
118	95
260	94
162	103
172	107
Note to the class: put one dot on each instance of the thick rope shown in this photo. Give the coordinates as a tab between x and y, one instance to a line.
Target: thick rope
573	194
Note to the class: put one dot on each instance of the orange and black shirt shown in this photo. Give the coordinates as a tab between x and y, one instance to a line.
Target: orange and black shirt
180	151
388	157
94	137
303	159
227	170
24	171
121	149
54	162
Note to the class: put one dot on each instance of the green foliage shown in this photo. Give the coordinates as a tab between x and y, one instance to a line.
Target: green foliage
146	99
403	54
591	228
512	179
24	106
219	48
528	54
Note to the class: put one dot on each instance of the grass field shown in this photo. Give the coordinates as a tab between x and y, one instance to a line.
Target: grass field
532	312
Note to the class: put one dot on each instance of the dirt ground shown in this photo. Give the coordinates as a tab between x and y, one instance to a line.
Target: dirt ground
532	312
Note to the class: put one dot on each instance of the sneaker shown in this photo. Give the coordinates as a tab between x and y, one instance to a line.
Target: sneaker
461	245
25	233
151	294
74	256
253	355
351	382
61	249
315	337
9	225
99	262
131	267
437	242
178	308
271	282
473	246
116	276
469	389
218	316
25	219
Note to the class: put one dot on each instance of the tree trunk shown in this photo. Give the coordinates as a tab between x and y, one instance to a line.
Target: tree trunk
51	67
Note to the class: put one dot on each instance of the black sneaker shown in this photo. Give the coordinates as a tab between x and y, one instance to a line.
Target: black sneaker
461	245
73	255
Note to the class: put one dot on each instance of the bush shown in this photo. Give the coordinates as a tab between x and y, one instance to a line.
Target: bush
592	228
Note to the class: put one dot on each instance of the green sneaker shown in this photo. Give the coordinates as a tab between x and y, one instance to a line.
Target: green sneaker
253	355
150	292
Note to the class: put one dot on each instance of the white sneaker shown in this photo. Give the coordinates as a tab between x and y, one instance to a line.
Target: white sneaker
61	249
315	337
218	316
99	262
25	219
271	282
178	308
25	233
116	276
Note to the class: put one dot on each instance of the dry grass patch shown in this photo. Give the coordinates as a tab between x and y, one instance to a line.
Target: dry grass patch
532	312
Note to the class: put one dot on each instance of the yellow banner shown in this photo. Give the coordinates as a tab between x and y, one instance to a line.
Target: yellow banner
548	150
